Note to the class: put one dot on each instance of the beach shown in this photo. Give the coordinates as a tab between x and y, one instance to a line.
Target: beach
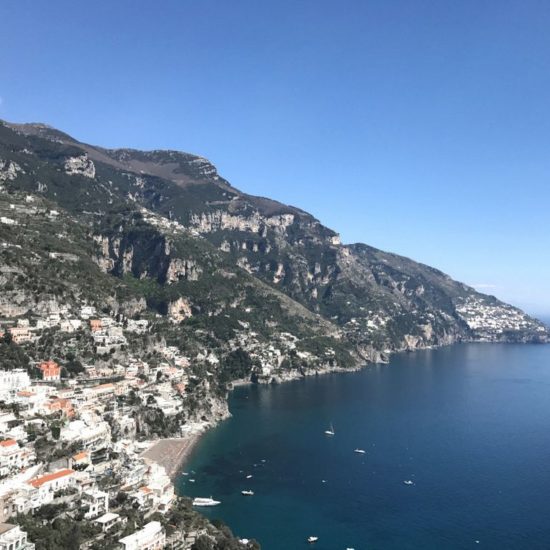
172	453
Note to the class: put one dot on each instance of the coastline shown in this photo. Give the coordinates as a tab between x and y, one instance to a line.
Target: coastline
173	453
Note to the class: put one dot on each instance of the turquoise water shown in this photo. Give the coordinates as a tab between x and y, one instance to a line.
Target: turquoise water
469	424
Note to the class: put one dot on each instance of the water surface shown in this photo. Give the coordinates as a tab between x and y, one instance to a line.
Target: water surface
469	424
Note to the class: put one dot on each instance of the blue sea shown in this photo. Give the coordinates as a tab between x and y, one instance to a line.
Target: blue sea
468	424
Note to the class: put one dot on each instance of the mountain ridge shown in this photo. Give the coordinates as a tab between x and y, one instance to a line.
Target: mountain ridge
372	302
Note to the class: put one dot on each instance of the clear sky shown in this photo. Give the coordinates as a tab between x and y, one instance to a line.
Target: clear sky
419	127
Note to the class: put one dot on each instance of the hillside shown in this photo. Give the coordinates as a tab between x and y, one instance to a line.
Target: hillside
160	235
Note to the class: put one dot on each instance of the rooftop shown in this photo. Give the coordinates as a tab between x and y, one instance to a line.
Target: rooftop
39	481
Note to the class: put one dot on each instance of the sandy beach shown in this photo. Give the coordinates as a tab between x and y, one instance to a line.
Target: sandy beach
172	453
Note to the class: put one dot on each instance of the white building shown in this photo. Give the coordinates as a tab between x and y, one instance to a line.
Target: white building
12	381
41	490
108	520
97	502
151	537
12	538
91	434
13	457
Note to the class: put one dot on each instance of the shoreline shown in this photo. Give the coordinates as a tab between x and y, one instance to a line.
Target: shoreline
172	453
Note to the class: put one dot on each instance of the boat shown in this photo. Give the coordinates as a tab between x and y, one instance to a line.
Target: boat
312	539
408	482
330	431
248	476
360	451
247	493
200	501
191	481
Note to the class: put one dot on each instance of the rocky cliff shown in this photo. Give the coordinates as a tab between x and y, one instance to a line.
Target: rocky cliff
167	229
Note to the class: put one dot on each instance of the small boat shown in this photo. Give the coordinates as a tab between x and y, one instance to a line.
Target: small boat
199	501
185	473
408	482
330	431
247	493
248	476
312	539
360	451
191	481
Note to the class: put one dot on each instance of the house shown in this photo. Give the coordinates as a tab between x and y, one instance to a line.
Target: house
13	457
81	459
12	538
7	420
108	520
92	434
43	488
51	371
58	404
62	479
13	381
95	325
97	503
70	325
86	312
150	537
20	335
100	391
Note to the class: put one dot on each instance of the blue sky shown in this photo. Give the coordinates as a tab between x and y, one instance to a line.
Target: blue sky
419	127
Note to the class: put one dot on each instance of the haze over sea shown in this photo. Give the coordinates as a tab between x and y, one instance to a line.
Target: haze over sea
467	423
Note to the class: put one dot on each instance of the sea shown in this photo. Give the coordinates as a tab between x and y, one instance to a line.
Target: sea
468	425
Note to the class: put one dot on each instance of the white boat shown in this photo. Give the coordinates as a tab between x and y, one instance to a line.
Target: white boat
312	539
248	476
199	501
330	431
247	493
191	481
360	451
408	482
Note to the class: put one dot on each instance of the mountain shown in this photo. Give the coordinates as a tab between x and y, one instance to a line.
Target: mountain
262	288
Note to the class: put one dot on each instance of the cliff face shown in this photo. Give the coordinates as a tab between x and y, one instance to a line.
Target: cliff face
190	244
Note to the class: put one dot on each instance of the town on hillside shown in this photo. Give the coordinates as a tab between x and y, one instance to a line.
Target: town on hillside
79	467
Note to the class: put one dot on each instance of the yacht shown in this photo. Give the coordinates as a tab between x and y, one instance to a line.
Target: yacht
247	493
312	539
360	451
199	501
248	476
330	431
408	482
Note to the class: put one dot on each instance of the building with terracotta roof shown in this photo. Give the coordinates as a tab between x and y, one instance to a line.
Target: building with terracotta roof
95	325
56	480
51	371
81	458
58	404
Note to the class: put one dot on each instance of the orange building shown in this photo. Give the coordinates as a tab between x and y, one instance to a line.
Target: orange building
95	325
64	405
50	370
